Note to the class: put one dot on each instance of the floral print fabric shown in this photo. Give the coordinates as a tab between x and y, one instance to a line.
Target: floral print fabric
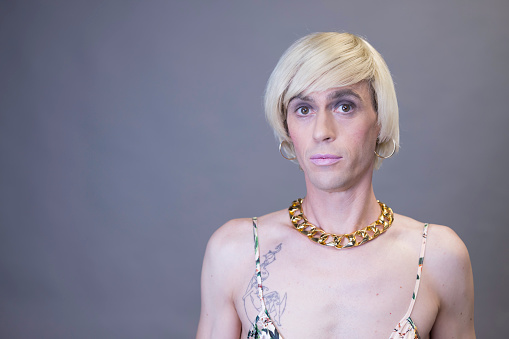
406	327
263	327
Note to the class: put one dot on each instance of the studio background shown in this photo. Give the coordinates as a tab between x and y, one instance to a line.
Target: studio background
131	130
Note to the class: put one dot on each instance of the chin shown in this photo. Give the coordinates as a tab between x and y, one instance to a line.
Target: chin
330	183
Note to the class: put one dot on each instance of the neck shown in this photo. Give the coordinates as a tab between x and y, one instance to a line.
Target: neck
343	211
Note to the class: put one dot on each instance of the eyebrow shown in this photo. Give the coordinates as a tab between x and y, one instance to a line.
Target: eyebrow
333	95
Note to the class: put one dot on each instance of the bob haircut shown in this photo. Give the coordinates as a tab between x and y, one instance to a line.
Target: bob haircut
320	61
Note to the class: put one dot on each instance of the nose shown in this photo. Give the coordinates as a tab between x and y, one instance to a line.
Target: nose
324	129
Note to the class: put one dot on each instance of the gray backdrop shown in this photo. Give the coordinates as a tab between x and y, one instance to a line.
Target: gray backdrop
131	130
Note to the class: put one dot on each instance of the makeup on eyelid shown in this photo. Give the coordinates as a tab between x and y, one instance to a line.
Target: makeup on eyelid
341	107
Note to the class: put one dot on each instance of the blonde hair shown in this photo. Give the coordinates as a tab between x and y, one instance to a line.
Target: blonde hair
320	61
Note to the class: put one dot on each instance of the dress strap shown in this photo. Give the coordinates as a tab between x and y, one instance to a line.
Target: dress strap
419	270
257	258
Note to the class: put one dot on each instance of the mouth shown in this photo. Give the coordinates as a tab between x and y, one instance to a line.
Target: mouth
324	159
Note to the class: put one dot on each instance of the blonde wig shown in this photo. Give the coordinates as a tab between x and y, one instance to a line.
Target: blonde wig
320	61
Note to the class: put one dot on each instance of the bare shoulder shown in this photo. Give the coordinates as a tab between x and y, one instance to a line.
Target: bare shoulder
230	255
440	238
449	278
231	232
446	261
408	224
238	233
277	221
232	244
445	252
448	264
449	273
224	257
228	244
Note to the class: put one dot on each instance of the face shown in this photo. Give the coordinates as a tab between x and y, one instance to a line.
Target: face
334	135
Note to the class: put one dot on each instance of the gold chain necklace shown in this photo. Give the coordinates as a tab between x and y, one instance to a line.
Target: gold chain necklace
339	241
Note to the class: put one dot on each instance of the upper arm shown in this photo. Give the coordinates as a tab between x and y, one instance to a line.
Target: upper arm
453	281
218	316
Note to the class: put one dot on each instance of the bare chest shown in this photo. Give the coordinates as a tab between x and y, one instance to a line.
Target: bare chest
361	295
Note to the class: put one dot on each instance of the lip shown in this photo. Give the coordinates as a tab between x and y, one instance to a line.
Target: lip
324	159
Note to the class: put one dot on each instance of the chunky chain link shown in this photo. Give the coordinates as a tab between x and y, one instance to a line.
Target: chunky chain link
340	241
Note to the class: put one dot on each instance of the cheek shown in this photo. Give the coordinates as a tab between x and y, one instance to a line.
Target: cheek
360	130
293	132
296	143
366	136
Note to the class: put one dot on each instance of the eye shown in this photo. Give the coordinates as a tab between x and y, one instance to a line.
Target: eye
345	108
303	110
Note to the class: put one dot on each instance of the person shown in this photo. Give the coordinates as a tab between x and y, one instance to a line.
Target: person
338	263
